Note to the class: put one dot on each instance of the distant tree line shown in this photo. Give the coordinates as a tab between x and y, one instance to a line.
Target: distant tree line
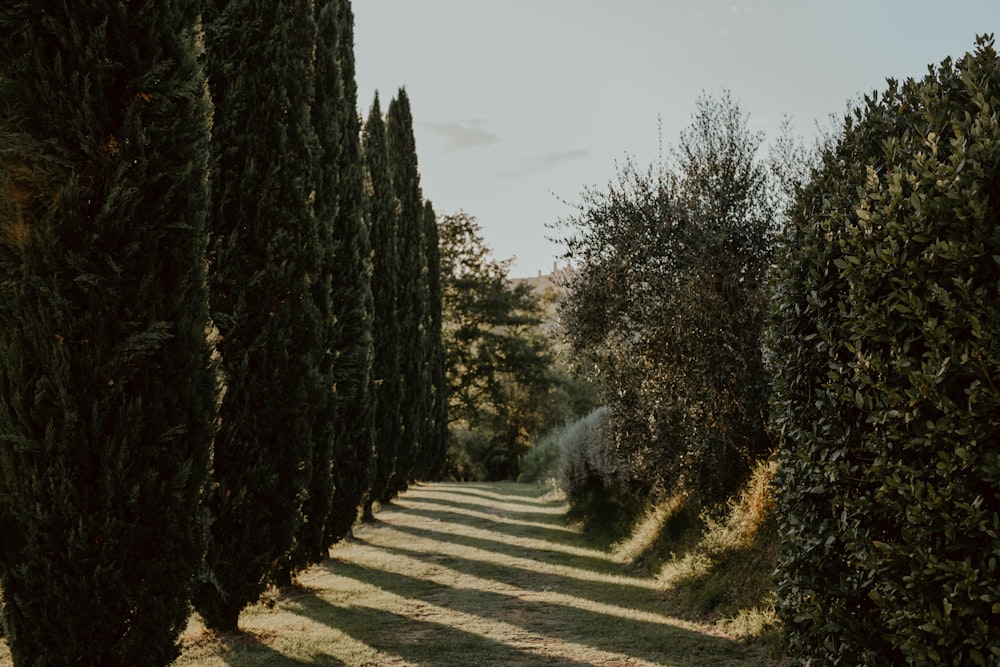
506	385
221	318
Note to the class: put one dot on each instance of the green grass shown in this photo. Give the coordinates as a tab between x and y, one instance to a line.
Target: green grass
472	574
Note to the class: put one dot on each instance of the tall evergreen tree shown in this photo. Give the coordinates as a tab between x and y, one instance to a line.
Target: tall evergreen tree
341	195
415	410
264	251
382	215
108	388
432	461
310	539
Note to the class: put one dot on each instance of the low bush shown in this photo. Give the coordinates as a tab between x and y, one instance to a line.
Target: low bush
541	463
600	497
586	461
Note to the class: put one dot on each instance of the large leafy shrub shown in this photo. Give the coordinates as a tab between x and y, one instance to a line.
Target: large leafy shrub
886	352
666	305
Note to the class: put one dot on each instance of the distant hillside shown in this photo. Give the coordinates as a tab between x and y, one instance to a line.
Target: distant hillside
547	287
543	282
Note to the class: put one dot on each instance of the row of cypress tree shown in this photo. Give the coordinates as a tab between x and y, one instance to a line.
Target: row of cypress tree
220	314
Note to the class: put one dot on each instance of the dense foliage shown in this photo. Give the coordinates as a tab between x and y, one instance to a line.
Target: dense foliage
225	260
108	385
886	351
666	303
195	261
264	252
380	209
431	461
412	305
340	198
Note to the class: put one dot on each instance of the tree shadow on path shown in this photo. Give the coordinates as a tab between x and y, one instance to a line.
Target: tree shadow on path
533	613
501	577
420	641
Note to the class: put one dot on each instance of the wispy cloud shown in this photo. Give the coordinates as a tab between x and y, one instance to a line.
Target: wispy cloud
460	135
534	164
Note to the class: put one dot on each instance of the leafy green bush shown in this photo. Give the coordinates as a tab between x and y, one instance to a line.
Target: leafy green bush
886	351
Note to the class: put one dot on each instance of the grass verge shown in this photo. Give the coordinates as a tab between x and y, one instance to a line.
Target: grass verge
714	567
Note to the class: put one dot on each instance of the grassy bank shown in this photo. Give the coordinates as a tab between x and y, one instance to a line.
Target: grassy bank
714	566
472	574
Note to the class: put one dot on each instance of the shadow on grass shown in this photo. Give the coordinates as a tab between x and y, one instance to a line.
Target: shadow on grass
598	564
638	597
553	519
247	648
531	612
508	492
501	526
418	641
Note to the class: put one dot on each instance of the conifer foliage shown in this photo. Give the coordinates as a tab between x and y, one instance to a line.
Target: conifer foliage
266	254
431	463
412	295
408	354
109	391
340	200
383	228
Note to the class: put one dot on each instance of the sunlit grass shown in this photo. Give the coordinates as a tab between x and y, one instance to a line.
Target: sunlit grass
541	563
446	576
509	634
723	566
648	530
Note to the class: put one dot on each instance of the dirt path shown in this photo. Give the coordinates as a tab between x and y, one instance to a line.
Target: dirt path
467	575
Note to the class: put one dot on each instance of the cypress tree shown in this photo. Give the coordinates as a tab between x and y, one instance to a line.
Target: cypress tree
108	389
264	251
309	543
351	341
432	461
415	410
381	210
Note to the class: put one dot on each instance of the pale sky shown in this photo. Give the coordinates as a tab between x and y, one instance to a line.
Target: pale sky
519	105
